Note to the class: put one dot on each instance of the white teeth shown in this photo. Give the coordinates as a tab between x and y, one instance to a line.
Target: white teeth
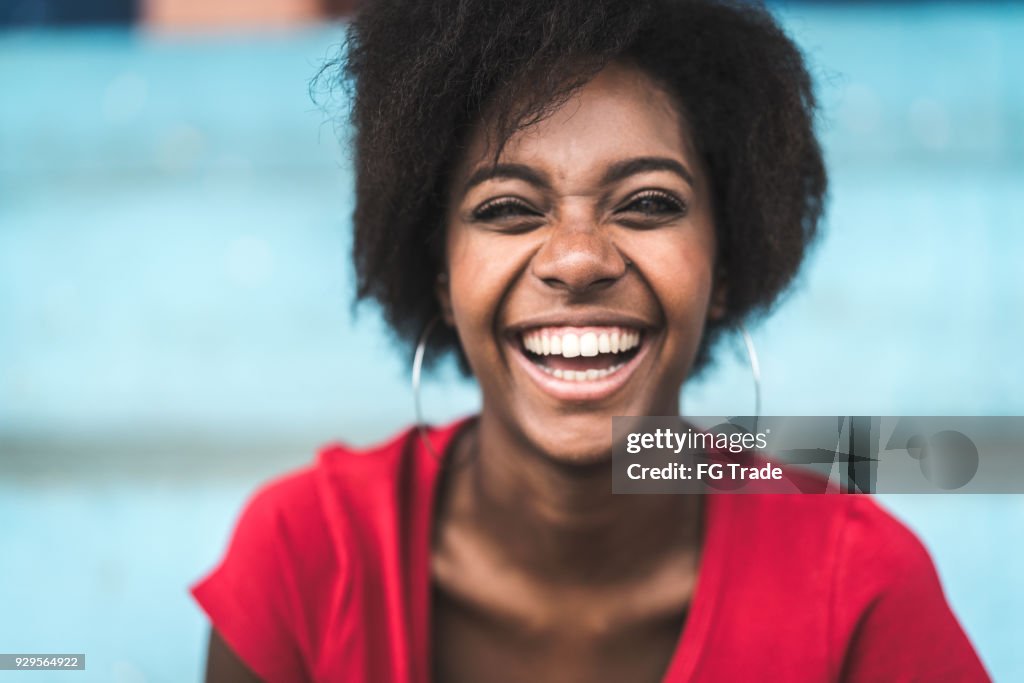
581	375
570	345
588	344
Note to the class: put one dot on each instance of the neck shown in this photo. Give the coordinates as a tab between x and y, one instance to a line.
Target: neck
561	522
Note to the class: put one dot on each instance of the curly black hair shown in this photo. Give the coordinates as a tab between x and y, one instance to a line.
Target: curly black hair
423	73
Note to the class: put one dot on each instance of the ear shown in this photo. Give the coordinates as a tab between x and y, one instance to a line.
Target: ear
443	292
719	304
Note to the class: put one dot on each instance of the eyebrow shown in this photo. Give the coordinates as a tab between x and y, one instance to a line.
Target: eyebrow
508	171
620	170
623	169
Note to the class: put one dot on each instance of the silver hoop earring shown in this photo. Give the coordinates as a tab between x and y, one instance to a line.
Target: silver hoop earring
417	374
755	368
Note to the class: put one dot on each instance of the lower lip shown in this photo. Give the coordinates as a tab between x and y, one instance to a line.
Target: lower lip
586	390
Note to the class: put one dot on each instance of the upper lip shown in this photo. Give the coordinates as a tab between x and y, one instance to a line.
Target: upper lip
579	319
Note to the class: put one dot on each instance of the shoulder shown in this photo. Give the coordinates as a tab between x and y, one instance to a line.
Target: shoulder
887	614
845	532
311	503
345	496
836	550
881	565
309	545
857	515
891	616
842	568
340	463
302	527
304	490
872	536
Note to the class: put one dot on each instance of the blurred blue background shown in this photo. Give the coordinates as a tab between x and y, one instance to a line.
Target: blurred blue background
175	321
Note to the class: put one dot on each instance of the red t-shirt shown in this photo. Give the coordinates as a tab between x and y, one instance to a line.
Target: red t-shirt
327	578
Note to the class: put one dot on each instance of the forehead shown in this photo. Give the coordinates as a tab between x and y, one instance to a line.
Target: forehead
619	113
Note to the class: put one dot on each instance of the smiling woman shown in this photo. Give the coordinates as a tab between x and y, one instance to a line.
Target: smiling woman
587	194
581	235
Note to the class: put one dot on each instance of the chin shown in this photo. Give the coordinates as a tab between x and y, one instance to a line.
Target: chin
580	440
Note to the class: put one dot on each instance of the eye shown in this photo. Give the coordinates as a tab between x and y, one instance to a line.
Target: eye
654	204
503	208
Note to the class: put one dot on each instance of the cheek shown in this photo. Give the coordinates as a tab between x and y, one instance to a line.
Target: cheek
687	292
682	281
679	268
481	269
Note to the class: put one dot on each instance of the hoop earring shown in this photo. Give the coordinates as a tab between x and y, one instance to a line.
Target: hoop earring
755	368
417	373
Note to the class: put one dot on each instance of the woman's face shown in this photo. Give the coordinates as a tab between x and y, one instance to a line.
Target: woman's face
580	267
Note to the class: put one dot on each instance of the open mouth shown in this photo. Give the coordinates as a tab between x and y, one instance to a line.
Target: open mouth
581	354
581	362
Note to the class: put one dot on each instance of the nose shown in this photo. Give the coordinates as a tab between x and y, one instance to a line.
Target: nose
578	257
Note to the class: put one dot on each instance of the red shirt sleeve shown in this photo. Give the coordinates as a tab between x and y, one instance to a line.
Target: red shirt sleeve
891	609
251	597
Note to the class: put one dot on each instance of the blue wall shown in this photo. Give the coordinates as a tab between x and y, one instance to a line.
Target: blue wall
175	322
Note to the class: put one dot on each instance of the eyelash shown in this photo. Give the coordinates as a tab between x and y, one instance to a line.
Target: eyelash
670	204
497	209
492	210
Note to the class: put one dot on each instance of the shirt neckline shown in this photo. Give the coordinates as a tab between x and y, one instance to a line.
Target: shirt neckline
690	645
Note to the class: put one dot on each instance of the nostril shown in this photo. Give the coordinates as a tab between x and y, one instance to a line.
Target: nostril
580	287
579	261
603	283
554	282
